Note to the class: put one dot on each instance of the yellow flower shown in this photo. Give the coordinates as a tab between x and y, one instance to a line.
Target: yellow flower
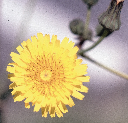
47	73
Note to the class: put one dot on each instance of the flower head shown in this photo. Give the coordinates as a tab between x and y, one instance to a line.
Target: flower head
47	73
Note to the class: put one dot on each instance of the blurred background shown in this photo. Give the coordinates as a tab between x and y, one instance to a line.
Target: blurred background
107	99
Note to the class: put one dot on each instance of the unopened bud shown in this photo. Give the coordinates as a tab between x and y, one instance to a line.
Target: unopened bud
90	3
77	26
111	18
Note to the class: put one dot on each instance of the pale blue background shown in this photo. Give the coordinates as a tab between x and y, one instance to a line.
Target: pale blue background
107	99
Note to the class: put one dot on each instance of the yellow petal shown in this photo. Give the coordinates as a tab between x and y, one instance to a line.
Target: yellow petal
80	69
53	40
73	51
13	85
19	49
10	75
58	112
34	42
40	37
18	98
82	88
76	82
64	42
44	111
37	107
52	112
46	40
19	88
10	69
17	80
83	78
70	45
31	48
77	95
27	105
62	107
29	99
16	59
71	102
78	61
24	44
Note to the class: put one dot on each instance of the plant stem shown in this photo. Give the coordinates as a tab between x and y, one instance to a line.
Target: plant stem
87	21
95	44
120	74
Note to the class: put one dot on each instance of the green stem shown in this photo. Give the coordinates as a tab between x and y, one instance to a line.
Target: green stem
95	44
87	20
121	74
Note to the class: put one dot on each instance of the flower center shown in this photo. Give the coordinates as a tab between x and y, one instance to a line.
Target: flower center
46	75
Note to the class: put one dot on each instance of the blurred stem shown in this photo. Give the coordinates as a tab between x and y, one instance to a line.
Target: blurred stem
2	97
105	33
0	116
0	111
118	73
87	20
5	94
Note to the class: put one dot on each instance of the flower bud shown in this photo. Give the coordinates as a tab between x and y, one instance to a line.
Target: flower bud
90	3
111	18
77	26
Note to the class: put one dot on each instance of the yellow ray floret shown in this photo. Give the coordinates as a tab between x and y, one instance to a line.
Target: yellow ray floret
47	73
